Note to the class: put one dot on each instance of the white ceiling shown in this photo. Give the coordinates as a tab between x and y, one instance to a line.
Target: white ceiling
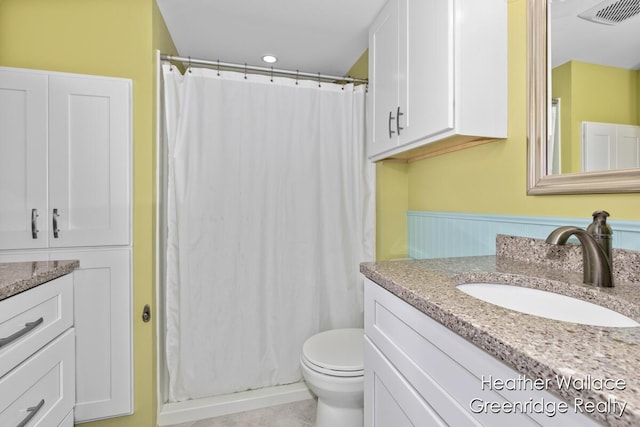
576	38
326	36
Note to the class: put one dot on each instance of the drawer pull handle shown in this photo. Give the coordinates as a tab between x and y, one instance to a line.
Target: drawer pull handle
32	413
27	328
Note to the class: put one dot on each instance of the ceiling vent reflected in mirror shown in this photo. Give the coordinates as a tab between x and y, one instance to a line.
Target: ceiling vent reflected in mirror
612	12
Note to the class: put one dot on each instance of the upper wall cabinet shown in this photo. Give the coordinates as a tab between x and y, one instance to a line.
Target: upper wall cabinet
64	160
437	76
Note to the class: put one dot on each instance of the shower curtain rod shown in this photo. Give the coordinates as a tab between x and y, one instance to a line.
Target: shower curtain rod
265	70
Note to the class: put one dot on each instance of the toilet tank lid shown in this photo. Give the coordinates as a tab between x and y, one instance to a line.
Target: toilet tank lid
337	349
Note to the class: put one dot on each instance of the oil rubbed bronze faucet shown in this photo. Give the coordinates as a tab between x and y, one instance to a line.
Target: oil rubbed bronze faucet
596	249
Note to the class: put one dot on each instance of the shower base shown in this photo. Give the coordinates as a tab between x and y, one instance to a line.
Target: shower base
197	409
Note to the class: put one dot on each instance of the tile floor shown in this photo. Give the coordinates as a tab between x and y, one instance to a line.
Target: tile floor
296	414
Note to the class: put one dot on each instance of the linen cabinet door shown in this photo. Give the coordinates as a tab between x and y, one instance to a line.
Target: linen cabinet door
89	160
426	98
23	160
103	324
384	74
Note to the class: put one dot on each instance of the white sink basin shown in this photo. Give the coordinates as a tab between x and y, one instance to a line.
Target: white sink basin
547	304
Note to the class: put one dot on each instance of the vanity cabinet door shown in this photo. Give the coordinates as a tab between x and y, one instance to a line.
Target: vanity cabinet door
23	160
89	145
389	398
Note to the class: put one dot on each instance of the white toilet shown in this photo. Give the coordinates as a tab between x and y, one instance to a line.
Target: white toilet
332	366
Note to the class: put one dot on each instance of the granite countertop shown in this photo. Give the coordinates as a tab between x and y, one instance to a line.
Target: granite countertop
535	346
16	277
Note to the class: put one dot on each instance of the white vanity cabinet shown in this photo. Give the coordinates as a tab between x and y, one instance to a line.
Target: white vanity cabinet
418	372
37	358
437	72
65	174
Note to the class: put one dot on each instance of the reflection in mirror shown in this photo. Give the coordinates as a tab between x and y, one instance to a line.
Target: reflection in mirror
584	96
595	63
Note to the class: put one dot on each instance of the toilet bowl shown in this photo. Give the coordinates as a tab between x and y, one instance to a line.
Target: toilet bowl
332	366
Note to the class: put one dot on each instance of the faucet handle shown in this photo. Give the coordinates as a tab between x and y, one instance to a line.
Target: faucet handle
601	214
599	226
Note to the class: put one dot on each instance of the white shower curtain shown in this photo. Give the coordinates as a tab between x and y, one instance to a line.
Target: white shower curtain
270	211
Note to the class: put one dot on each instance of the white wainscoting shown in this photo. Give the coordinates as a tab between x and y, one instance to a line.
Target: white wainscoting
447	234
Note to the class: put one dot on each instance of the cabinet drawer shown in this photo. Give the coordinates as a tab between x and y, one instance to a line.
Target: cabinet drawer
447	370
41	388
31	319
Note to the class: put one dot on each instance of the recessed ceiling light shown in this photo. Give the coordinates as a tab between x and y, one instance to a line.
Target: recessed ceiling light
269	59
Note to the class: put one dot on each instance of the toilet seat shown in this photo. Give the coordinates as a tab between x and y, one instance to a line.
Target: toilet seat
337	352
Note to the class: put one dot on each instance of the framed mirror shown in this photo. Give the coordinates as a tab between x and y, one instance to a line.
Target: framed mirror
564	156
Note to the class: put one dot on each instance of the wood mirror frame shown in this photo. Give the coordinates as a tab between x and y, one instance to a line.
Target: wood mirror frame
538	181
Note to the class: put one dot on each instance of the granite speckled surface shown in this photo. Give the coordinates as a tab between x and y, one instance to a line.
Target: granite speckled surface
16	277
535	346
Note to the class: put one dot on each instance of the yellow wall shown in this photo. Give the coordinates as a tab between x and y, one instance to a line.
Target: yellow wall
638	96
112	38
594	93
561	89
392	198
604	94
391	193
491	178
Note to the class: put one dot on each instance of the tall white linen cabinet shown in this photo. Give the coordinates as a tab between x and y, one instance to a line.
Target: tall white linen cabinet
65	193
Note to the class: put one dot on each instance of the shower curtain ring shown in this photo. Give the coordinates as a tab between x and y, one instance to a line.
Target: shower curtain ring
245	71
319	85
297	75
218	68
271	74
189	65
